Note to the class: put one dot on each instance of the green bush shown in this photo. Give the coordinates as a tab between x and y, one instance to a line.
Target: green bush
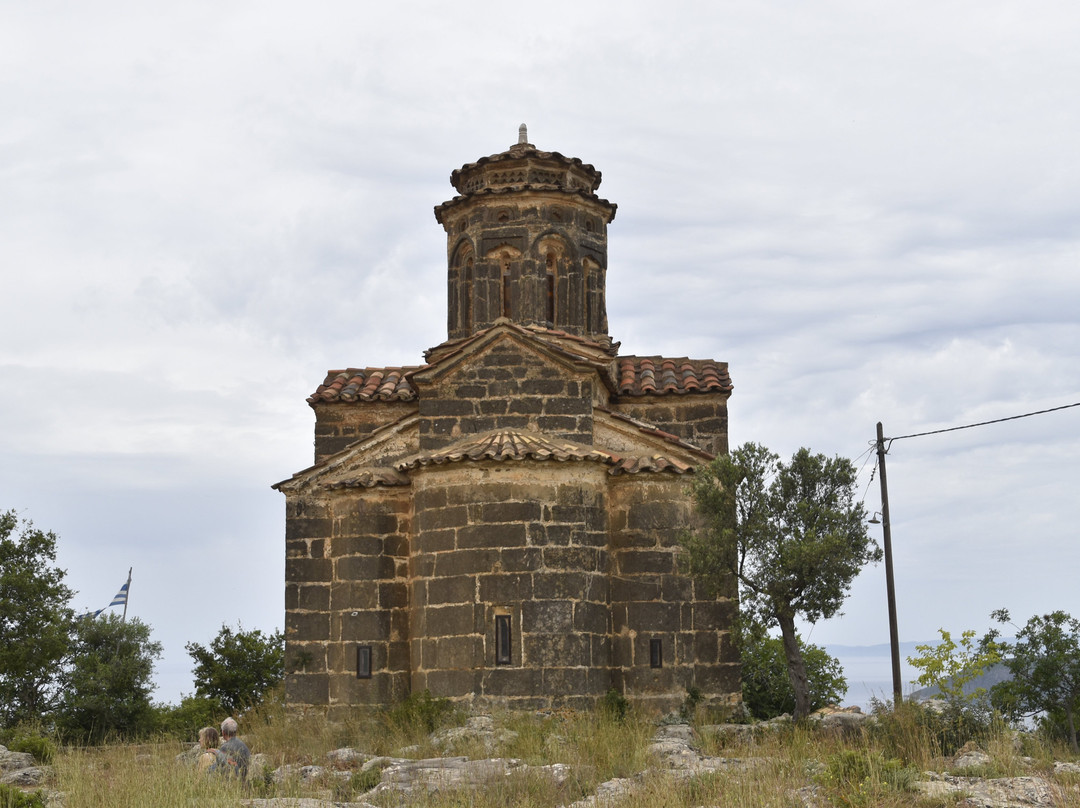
861	777
614	705
911	729
420	711
42	749
766	682
184	720
11	797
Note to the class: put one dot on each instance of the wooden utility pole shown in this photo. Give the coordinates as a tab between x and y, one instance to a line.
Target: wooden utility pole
890	586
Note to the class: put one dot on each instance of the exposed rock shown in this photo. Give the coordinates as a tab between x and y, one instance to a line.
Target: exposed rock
844	719
1008	792
12	761
674	746
25	778
973	759
479	728
301	802
1066	768
347	758
610	793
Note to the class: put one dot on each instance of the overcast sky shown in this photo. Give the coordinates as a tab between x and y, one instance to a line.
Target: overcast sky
871	211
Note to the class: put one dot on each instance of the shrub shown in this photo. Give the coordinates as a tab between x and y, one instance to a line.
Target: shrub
420	711
861	776
614	705
11	797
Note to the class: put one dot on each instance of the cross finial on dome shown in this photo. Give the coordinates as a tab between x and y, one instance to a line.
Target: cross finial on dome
523	134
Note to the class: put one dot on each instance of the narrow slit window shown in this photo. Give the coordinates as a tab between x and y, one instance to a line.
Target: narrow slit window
363	662
503	654
656	653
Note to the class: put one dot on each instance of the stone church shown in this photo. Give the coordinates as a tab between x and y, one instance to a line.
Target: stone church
500	523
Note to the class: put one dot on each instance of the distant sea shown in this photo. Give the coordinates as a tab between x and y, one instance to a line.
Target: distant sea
868	670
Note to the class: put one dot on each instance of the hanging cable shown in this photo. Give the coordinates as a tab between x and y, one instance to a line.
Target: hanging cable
981	423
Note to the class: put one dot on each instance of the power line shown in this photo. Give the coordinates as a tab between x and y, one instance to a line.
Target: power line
983	423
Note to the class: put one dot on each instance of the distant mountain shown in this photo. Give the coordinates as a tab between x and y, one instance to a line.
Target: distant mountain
994	674
906	649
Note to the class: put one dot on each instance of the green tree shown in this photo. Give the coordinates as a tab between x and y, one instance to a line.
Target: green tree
766	685
238	667
107	680
34	620
791	534
1045	666
950	667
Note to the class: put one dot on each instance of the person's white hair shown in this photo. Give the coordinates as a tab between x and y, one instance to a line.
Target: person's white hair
229	727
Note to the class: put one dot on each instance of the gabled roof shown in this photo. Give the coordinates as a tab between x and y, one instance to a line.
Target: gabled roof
656	375
636	375
366	384
573	352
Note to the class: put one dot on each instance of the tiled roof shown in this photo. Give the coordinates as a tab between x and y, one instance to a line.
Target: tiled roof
635	375
367	384
369	478
655	375
513	444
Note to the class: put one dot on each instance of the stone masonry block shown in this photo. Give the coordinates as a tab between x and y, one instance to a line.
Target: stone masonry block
365	626
560	585
309	626
510	512
499	535
453	683
506	587
510	681
355	545
638	562
350	595
308	570
437	518
521	559
364	568
556	650
297	528
547	616
459	589
466	562
653	616
307	688
314	598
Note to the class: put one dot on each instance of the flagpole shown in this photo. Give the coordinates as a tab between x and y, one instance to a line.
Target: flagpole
126	599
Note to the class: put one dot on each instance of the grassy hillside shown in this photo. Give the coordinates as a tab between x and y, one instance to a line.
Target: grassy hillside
874	767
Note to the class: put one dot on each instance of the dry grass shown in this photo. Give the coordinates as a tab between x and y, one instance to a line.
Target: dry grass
870	769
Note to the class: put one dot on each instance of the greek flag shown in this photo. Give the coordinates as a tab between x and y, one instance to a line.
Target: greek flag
120	599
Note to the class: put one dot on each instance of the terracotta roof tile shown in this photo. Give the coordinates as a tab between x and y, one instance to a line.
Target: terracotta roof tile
509	444
367	384
656	375
512	444
369	478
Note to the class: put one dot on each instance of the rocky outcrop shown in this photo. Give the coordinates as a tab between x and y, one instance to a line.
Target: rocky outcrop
19	769
675	751
1005	792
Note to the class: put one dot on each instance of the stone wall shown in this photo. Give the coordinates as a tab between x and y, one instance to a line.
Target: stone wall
698	418
526	542
345	587
337	424
510	387
666	636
